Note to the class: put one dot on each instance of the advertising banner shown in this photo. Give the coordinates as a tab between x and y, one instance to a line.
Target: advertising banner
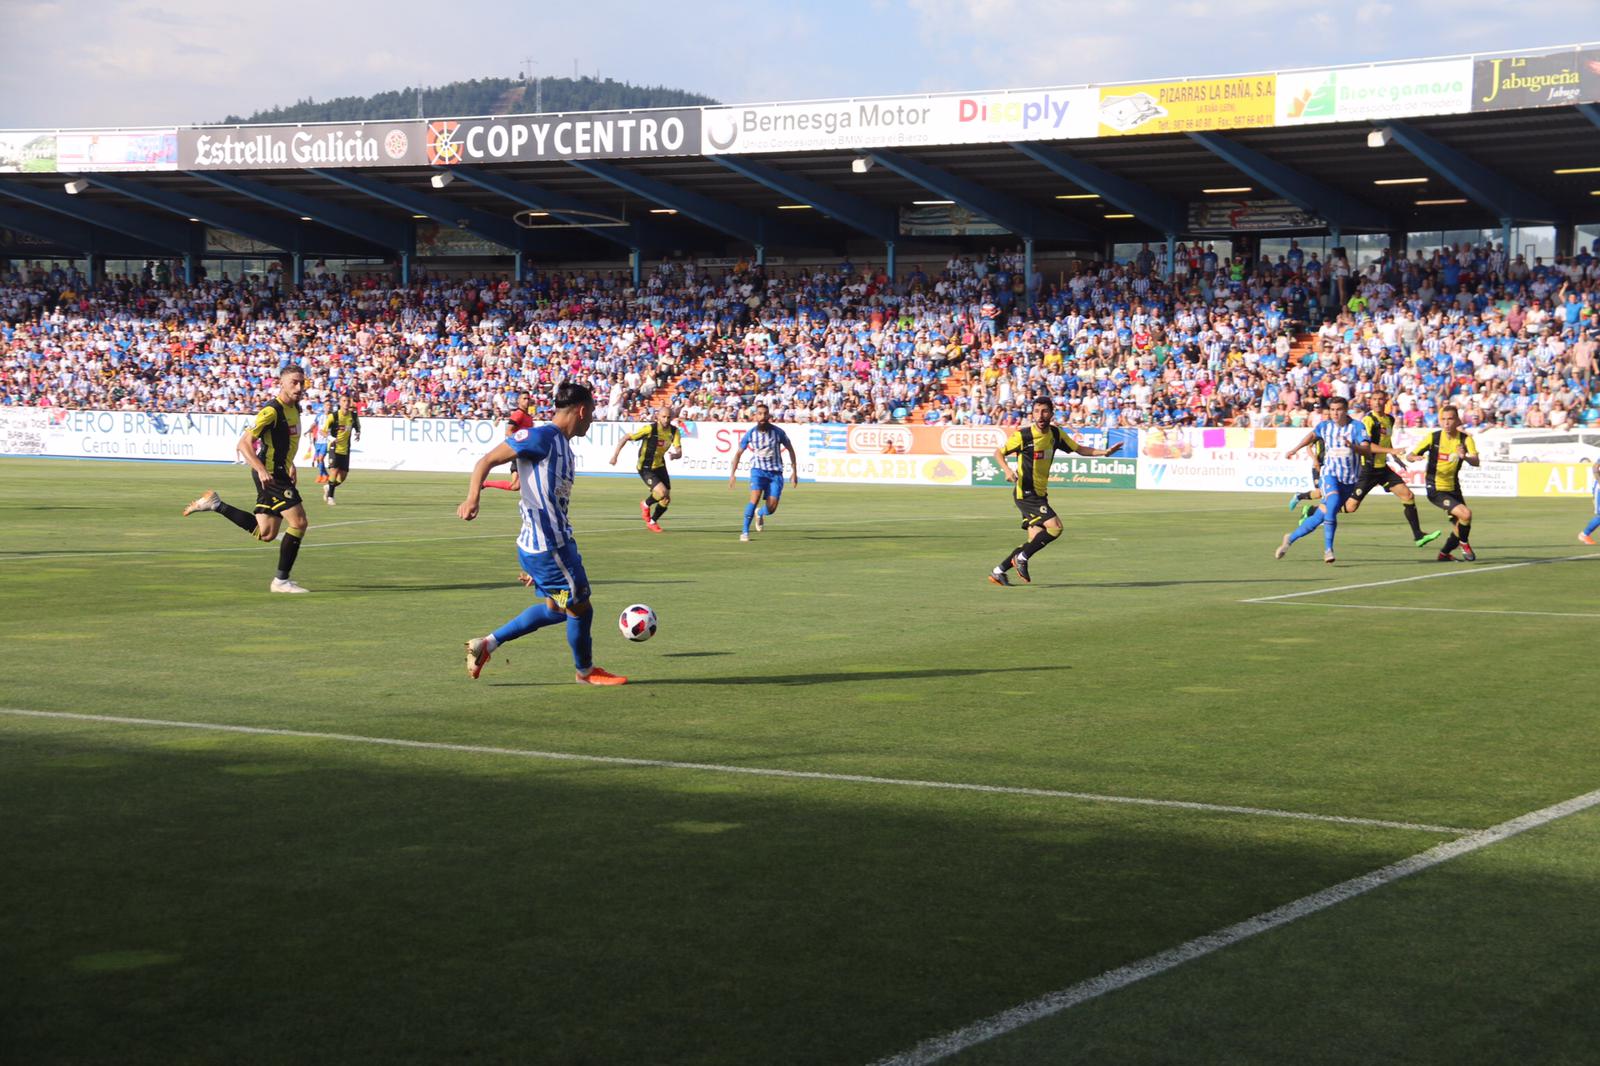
325	144
580	135
885	122
1539	445
28	152
1111	472
1359	94
1241	475
1503	82
894	469
1238	216
1188	106
1555	479
946	220
120	434
89	152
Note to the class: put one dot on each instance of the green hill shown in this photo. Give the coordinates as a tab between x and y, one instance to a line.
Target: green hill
481	96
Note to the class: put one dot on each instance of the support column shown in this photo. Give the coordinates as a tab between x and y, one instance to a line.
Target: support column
297	269
405	268
97	268
1566	239
636	264
518	269
1172	257
188	268
761	255
889	261
1505	240
1027	267
1331	287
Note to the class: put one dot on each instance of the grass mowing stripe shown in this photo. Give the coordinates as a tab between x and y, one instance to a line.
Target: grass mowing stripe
752	771
1421	577
942	1047
1440	610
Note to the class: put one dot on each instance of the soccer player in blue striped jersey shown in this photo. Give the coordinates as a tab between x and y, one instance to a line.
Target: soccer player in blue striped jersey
1344	442
545	465
764	441
1587	536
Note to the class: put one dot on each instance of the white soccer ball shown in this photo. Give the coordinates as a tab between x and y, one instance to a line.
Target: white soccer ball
637	622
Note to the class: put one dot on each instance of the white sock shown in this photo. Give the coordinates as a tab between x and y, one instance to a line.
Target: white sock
489	643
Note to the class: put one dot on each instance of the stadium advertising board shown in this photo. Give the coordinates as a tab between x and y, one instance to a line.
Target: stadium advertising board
190	437
581	135
1555	479
1215	475
1503	82
1358	94
1111	472
1188	106
331	144
943	220
27	151
91	151
885	122
1239	216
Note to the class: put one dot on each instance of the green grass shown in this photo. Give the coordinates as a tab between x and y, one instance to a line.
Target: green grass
173	895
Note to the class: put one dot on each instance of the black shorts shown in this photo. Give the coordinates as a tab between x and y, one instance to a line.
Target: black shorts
656	475
277	497
339	461
1377	478
1447	501
1036	510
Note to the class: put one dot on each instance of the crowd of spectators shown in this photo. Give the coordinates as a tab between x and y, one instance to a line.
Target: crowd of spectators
1217	341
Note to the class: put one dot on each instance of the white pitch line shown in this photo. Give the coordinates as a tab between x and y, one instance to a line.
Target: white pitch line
941	1047
752	771
1440	610
1421	577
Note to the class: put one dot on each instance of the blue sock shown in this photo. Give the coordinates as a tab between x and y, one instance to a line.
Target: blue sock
762	511
749	513
580	637
1594	524
1329	526
536	617
1304	528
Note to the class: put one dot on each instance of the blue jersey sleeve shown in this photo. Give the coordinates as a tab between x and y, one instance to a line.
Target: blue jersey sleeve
532	443
1358	433
744	441
783	438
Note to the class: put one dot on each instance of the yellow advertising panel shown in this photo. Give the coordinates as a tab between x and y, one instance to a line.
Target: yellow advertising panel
1187	106
1554	479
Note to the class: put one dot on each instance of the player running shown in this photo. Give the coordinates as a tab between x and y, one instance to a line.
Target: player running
268	446
1344	441
1587	536
654	440
1035	446
342	423
1446	448
766	468
551	564
519	418
1376	472
1306	501
317	450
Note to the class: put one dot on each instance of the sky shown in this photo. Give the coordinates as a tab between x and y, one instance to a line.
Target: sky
104	63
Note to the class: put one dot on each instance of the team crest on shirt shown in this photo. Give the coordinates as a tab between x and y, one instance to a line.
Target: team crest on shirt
520	434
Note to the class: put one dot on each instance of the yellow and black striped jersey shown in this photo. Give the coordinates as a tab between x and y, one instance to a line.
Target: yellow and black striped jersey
277	432
1034	451
655	443
1444	468
338	428
1319	448
1380	430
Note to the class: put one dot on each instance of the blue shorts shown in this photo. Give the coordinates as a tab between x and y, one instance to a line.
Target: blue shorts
319	450
1337	491
767	482
557	574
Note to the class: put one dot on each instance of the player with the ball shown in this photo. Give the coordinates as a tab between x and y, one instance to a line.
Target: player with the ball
551	564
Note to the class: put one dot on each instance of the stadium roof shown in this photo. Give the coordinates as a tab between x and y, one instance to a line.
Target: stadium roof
1467	143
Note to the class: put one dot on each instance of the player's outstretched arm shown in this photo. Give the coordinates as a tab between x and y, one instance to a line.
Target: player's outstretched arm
794	464
501	453
1005	464
733	471
617	451
247	451
1305	443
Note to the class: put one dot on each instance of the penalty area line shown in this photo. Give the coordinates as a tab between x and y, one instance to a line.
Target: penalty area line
1438	610
941	1047
749	771
1420	577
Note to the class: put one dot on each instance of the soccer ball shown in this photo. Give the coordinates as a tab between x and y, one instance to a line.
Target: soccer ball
637	622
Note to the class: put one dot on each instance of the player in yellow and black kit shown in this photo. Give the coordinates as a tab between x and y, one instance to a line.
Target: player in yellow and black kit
1376	472
269	446
655	442
1035	446
341	423
1446	448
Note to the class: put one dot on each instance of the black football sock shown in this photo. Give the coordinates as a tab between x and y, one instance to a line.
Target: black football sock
1040	543
333	486
1302	495
1410	510
1450	545
243	519
656	512
1464	531
288	548
1005	564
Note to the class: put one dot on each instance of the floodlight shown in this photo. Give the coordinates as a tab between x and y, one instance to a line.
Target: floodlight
1379	139
862	163
439	181
75	187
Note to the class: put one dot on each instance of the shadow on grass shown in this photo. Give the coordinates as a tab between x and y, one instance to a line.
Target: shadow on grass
693	654
1169	584
831	678
510	583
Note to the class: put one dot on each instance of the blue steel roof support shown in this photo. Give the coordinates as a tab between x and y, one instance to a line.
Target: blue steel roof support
1020	218
1484	187
398	237
179	237
501	231
1590	112
567	208
71	233
1160	212
1341	210
725	218
865	216
268	230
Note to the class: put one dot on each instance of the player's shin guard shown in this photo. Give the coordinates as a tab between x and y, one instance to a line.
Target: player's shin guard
288	548
535	617
1310	524
749	513
658	510
1038	544
243	519
1464	532
1451	544
1410	511
580	637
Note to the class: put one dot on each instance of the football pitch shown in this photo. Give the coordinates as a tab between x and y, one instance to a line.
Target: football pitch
1172	802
